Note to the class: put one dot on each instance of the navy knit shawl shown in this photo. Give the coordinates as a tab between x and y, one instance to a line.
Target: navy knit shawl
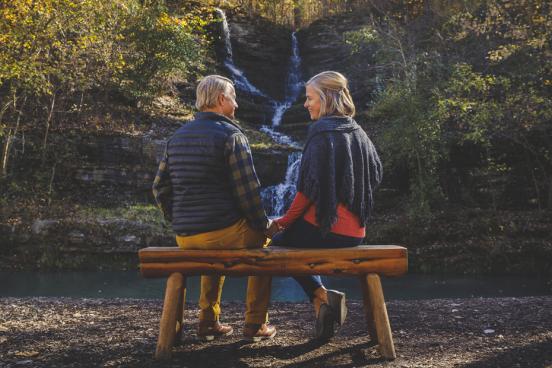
339	164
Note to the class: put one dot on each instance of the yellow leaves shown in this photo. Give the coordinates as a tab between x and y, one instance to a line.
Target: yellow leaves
8	17
164	20
537	42
120	63
502	52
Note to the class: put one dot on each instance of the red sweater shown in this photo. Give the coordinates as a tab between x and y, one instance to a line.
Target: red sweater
348	224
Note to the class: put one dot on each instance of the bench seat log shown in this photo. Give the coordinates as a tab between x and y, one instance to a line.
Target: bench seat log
365	262
384	260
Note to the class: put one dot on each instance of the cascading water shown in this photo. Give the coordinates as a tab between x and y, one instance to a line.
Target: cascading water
240	80
275	198
293	85
278	197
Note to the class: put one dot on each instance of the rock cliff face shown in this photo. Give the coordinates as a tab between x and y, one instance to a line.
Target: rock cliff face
127	165
262	51
127	162
323	48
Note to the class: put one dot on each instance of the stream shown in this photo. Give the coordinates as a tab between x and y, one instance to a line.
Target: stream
130	284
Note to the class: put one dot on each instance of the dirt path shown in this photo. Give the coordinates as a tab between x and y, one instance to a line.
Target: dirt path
48	332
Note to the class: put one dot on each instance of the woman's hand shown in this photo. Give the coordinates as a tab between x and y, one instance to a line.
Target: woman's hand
273	229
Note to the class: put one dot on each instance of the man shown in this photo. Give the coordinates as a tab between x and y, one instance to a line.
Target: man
208	189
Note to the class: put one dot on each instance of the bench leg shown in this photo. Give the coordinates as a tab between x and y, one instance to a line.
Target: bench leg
167	328
368	313
180	311
379	312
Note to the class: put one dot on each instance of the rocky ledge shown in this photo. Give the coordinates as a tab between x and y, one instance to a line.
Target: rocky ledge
505	332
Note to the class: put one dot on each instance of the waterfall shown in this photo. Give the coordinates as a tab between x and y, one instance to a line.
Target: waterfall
293	85
240	80
278	197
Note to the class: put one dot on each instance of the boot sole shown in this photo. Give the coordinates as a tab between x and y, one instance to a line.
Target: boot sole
259	338
336	300
324	327
212	337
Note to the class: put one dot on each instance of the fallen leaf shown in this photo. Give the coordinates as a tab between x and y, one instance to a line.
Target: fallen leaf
27	354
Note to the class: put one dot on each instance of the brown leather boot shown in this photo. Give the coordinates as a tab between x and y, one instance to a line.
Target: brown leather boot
256	332
209	330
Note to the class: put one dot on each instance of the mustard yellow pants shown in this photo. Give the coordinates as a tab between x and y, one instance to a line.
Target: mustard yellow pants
237	236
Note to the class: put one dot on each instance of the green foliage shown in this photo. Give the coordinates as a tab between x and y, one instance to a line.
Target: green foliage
164	47
412	138
473	81
361	39
59	56
145	213
467	105
51	45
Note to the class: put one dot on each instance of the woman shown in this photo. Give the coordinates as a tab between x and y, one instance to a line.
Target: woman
339	171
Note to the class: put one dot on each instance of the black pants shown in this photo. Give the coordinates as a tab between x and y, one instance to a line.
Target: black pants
302	234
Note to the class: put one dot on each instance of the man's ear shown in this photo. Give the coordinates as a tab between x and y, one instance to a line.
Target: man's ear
220	99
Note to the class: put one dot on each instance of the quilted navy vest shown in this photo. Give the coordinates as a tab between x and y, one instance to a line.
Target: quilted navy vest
200	176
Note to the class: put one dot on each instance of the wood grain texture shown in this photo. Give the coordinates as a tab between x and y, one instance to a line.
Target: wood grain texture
385	260
167	328
381	320
369	314
180	311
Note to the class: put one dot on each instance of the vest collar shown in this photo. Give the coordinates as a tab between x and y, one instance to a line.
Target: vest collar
213	116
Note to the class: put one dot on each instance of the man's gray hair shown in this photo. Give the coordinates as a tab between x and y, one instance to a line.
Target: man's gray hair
209	89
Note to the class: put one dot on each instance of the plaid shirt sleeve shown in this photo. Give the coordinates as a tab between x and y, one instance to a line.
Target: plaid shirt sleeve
162	188
245	183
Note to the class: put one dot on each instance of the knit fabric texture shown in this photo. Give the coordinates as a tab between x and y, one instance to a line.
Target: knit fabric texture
339	164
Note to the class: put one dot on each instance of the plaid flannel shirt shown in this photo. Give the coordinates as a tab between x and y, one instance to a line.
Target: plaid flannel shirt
245	183
244	180
162	188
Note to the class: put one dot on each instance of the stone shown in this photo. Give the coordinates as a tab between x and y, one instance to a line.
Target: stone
41	227
76	236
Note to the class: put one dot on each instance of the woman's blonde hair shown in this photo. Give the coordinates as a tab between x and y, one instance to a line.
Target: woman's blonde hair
333	89
209	89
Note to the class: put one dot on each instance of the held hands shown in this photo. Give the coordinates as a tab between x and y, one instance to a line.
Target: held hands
272	229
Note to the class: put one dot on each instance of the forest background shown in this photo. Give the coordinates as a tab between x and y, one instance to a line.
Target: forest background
455	95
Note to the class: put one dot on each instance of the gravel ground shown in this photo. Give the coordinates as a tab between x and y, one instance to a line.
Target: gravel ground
62	332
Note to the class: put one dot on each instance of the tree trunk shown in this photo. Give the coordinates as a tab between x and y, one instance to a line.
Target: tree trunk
48	123
10	136
51	184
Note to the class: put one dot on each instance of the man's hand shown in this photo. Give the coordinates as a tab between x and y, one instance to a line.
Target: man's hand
273	228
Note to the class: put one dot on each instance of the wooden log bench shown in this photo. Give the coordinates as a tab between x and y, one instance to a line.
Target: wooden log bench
365	262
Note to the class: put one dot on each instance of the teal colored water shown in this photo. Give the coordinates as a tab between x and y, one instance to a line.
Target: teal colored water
129	284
